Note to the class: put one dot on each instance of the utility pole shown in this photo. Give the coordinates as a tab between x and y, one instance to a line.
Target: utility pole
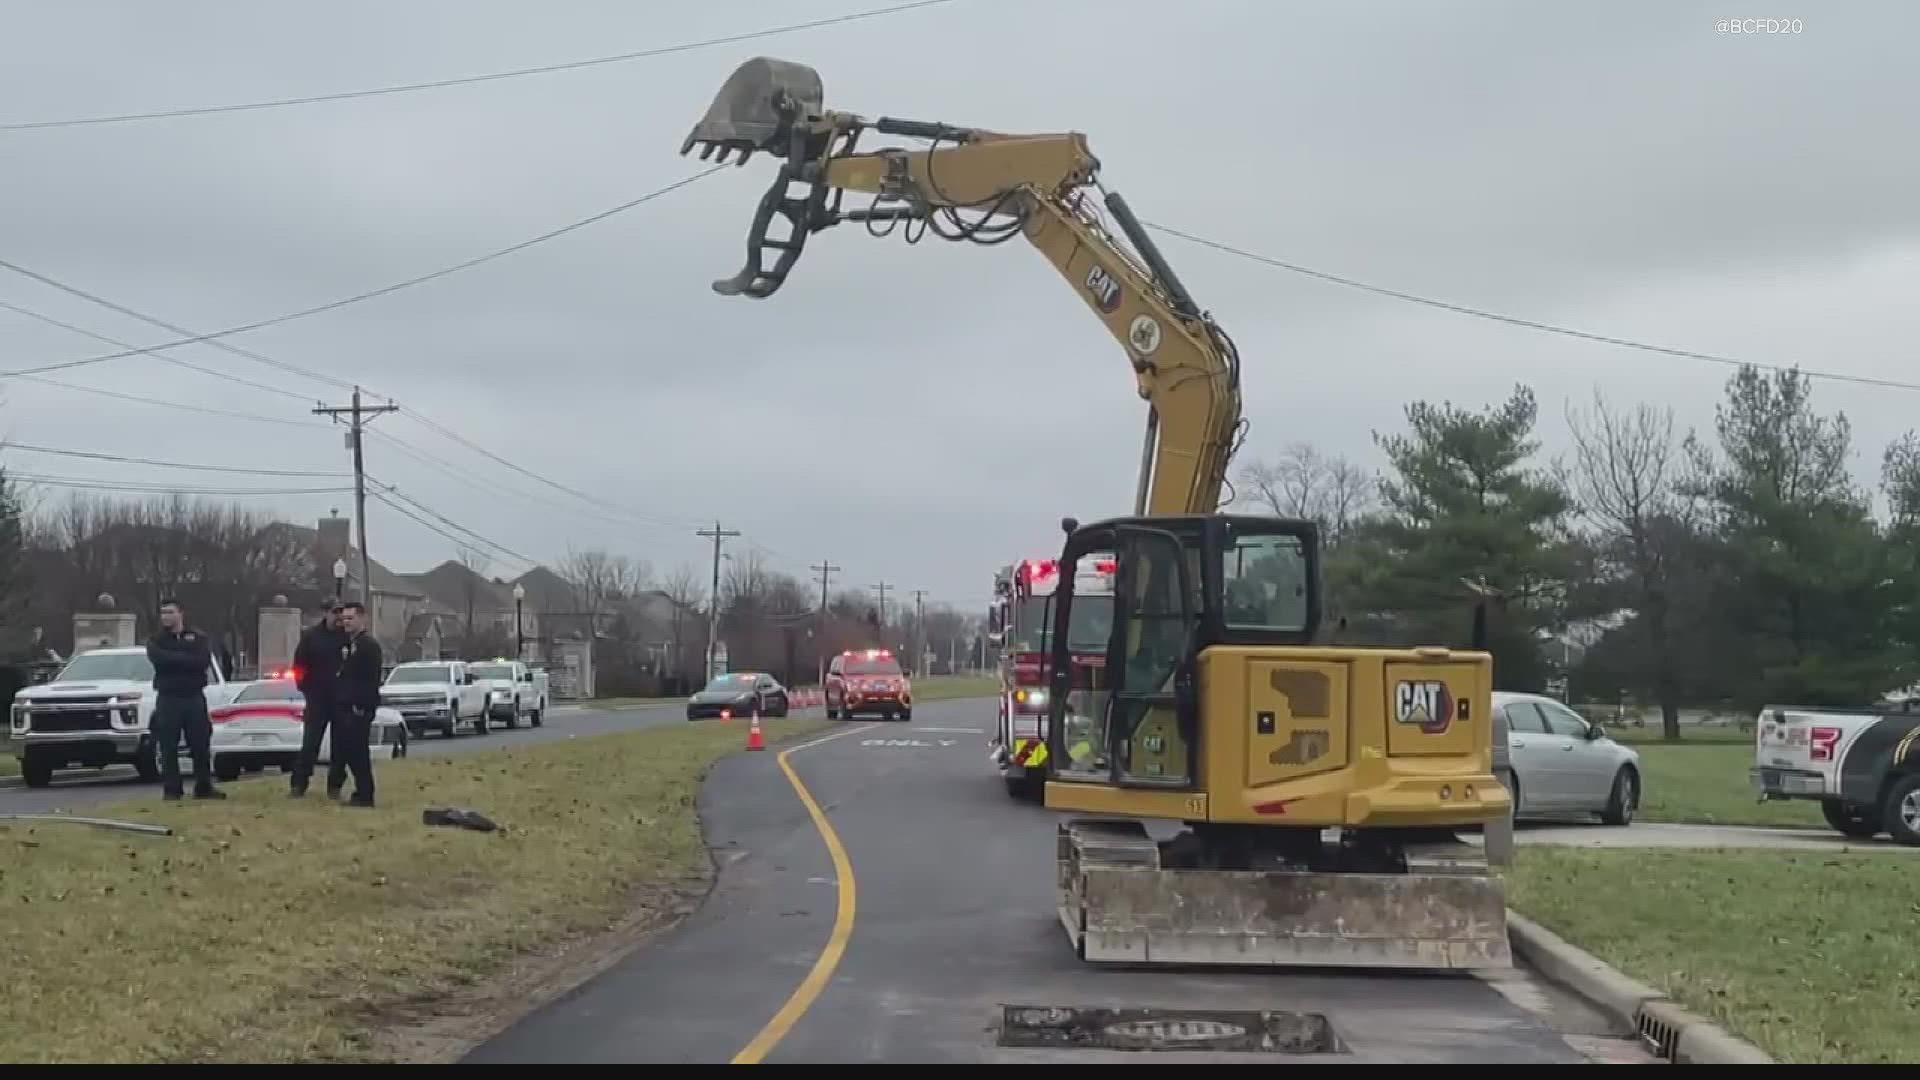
919	634
882	590
360	415
824	568
713	601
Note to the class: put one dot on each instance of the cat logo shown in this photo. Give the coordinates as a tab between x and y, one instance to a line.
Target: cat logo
1104	288
1426	705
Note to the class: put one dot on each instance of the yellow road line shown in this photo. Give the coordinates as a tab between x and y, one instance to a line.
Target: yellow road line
811	987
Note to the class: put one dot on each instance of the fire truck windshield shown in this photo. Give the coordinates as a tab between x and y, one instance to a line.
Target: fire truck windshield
1032	629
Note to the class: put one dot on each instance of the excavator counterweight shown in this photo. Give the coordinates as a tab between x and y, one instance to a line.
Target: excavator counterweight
1320	787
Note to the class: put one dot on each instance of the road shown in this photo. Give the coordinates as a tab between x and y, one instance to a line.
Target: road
72	790
951	919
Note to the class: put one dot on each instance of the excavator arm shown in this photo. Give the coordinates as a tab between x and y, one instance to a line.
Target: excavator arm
985	187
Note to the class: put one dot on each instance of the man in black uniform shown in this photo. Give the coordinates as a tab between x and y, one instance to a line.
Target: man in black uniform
316	663
180	658
356	696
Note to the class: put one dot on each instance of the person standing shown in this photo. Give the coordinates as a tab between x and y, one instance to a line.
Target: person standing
316	665
180	656
356	697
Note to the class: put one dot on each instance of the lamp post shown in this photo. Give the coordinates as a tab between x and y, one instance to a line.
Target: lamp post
519	639
339	580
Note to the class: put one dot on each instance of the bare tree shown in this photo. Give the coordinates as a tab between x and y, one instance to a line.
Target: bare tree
477	563
599	578
1624	476
685	593
1303	483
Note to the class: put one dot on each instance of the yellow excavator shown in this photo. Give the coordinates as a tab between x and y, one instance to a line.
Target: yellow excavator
1317	791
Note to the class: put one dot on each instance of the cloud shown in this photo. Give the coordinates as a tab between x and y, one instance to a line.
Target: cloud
920	414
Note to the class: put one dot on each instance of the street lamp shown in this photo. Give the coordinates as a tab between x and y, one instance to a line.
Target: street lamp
519	639
339	580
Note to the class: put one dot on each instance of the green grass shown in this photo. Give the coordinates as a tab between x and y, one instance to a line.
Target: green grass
1815	958
9	765
279	931
1702	780
953	687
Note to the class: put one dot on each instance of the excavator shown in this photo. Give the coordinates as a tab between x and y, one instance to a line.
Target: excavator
1315	792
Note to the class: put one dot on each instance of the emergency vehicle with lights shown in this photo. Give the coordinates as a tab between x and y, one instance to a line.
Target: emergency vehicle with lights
867	681
1020	624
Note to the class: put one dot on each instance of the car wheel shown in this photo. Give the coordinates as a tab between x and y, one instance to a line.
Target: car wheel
227	772
1857	822
539	717
36	770
1901	811
1624	799
146	759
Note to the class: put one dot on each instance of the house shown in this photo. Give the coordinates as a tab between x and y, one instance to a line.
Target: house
472	608
402	612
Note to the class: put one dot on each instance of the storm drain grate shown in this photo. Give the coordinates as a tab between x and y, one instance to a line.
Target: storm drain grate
1067	1027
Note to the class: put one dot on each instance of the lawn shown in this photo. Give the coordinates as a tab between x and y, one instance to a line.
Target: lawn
1815	958
9	765
1702	780
277	931
953	687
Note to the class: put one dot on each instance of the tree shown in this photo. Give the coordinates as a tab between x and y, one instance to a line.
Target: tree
685	593
1625	478
1805	592
599	578
1332	492
1462	511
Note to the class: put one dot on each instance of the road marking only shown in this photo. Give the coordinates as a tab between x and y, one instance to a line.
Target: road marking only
920	743
810	987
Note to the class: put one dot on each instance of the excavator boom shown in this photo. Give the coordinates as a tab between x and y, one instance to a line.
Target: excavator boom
1038	186
1213	706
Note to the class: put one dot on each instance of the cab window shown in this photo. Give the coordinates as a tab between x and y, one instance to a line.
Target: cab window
1263	583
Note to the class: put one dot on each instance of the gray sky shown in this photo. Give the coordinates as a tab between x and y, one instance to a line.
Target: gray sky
1621	168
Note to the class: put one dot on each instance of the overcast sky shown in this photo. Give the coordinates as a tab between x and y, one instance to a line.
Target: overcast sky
1622	168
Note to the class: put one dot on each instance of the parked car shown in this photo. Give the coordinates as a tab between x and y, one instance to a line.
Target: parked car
867	681
740	694
1558	762
263	726
97	712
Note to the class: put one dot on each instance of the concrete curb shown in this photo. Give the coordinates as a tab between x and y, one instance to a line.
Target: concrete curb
1667	1030
10	782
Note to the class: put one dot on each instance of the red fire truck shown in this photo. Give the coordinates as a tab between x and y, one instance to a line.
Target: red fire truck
1020	624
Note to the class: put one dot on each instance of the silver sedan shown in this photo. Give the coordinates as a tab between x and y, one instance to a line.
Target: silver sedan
1557	763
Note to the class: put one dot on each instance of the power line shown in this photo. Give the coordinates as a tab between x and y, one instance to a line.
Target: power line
5	445
466	79
1688	354
163	403
86	483
394	492
357	298
215	372
408	511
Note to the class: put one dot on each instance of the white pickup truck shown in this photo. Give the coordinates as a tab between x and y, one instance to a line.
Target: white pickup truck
436	693
513	690
95	712
1861	765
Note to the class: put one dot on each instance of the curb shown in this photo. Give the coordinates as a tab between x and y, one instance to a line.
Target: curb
1666	1029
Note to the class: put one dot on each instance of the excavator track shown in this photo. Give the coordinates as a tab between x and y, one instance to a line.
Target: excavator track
1119	905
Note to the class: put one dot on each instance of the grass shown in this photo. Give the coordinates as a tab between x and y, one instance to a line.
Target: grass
278	931
1702	780
1815	958
9	765
953	687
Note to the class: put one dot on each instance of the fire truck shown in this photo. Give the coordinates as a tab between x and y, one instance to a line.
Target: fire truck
1020	625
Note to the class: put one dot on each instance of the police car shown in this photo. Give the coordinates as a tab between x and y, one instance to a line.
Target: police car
1862	766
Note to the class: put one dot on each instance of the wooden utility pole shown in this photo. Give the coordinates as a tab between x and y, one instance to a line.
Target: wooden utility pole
713	600
359	415
882	588
919	633
824	568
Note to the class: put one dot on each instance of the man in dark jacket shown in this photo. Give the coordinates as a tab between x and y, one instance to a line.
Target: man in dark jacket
180	657
316	662
356	696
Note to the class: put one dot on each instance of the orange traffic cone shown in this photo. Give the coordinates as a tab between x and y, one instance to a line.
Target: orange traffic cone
754	741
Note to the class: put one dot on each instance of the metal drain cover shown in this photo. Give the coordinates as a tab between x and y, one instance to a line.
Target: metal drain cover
1068	1027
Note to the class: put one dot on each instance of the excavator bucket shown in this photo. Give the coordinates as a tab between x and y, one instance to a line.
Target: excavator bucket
751	111
1120	906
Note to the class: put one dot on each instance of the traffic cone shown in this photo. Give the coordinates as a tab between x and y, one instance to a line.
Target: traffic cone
754	741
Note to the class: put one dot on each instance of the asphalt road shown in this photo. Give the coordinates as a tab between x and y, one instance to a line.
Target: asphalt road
78	788
952	919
